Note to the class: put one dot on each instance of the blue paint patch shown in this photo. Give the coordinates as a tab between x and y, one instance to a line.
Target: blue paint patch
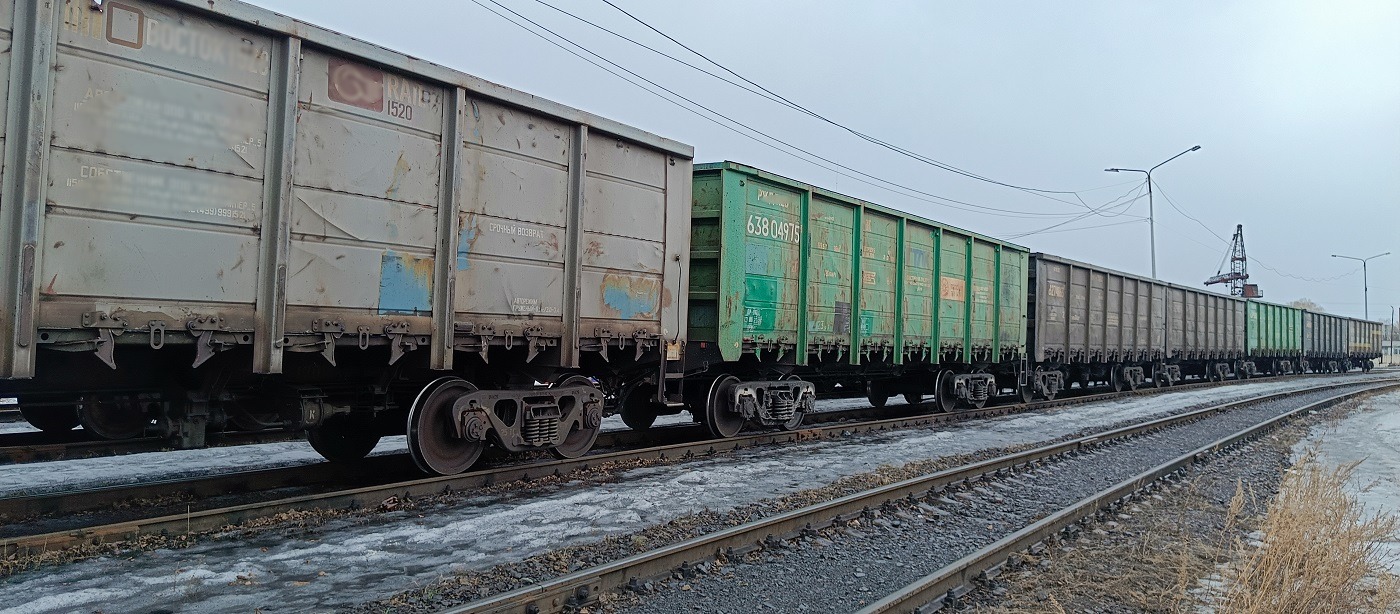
464	244
405	284
630	298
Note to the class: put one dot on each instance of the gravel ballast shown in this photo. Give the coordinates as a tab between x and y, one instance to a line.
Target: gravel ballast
848	567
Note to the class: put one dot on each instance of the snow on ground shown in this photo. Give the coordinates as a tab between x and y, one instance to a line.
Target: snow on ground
16	427
31	478
369	558
1371	436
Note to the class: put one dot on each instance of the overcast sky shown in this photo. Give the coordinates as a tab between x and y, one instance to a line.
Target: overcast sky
1296	106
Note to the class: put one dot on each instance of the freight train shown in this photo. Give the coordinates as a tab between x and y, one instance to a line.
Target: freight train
219	217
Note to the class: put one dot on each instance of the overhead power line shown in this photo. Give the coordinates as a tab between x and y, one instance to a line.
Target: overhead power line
796	106
741	128
1109	206
1252	258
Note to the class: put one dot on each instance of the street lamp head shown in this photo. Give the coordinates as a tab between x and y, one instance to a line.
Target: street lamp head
1112	170
1195	148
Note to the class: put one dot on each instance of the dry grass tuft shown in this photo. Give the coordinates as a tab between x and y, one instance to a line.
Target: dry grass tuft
1319	552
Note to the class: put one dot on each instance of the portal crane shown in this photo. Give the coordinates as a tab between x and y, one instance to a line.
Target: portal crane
1239	269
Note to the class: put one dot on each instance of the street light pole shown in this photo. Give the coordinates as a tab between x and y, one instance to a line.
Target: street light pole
1365	285
1151	214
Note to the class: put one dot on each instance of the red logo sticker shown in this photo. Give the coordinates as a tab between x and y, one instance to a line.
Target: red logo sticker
355	85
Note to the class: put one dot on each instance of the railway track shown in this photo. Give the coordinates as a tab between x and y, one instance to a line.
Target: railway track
386	469
33	447
929	593
374	483
36	446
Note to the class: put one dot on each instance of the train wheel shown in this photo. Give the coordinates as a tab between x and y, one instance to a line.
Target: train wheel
584	431
797	416
875	393
913	398
1159	377
1026	391
113	418
50	419
342	440
1115	378
432	438
978	404
722	422
943	393
636	408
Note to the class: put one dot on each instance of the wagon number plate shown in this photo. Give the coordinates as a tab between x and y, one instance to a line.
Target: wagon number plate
763	226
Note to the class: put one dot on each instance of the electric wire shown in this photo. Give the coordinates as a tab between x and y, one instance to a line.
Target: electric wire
1139	190
715	117
911	154
1252	259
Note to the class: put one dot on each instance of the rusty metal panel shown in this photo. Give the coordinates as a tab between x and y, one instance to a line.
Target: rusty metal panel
1078	310
624	221
917	312
159	135
144	81
513	217
1113	314
138	262
1098	282
23	191
365	192
1052	308
676	265
879	249
983	295
829	268
953	325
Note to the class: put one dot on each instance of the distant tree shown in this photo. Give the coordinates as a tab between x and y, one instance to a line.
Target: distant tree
1308	304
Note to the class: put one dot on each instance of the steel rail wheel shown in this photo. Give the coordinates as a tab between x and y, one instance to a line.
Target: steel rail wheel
875	393
581	434
913	398
342	440
946	401
719	417
636	409
432	438
1115	378
113	418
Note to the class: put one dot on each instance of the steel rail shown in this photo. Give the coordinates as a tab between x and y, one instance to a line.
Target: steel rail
376	471
577	589
936	590
29	447
369	496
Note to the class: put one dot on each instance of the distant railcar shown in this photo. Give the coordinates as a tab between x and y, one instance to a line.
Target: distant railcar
1092	324
1275	339
794	288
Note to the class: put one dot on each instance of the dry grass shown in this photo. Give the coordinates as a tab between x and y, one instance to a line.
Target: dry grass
1319	552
